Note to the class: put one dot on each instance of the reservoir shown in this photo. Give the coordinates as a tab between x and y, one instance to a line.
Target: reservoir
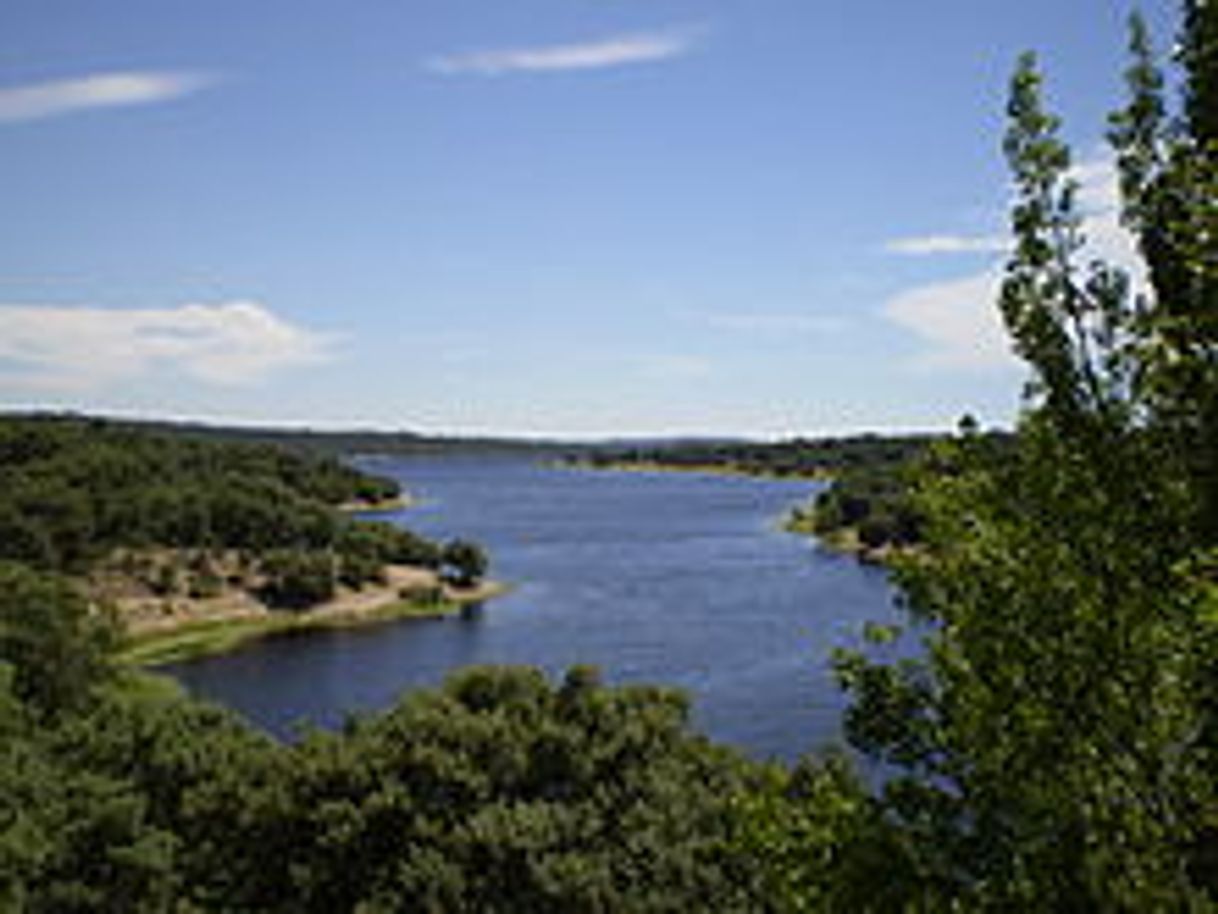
678	579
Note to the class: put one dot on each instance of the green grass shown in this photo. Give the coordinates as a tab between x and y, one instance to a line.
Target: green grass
801	519
218	636
144	686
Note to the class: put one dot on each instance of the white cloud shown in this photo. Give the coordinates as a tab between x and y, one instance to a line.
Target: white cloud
86	348
958	319
100	90
930	245
1099	201
614	51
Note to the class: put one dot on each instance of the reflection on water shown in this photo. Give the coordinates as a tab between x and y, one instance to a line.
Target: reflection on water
683	580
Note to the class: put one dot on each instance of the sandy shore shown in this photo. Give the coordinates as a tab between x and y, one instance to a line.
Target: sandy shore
385	506
162	630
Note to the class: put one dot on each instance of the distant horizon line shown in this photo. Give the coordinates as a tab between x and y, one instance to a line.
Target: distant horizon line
328	426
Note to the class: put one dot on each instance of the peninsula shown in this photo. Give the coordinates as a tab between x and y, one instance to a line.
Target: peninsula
196	544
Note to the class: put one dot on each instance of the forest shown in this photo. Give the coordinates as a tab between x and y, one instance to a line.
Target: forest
179	513
1052	749
343	443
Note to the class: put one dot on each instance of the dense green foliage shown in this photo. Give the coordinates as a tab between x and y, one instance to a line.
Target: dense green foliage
56	645
798	457
500	792
1056	747
463	562
73	489
870	501
77	491
869	505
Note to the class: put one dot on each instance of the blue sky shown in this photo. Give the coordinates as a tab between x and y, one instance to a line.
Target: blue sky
575	217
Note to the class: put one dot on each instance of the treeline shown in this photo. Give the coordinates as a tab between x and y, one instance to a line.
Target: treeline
334	443
809	457
75	492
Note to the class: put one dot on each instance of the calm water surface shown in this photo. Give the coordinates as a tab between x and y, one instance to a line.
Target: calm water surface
678	579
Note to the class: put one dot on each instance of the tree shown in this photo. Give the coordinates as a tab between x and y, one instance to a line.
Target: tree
57	645
296	579
1053	744
502	792
463	562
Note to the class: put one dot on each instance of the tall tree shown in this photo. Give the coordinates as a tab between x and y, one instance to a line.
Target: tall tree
1053	745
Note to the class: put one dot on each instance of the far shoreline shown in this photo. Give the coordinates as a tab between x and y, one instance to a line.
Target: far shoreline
707	469
799	519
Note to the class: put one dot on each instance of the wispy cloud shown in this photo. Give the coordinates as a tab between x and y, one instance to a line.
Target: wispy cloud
86	348
57	98
958	319
612	51
933	245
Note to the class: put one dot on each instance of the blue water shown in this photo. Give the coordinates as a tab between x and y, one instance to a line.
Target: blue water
679	579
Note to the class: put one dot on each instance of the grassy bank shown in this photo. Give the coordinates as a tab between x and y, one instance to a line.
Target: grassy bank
207	637
383	506
146	686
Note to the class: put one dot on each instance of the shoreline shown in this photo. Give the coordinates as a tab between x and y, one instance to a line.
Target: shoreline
799	519
384	506
707	469
188	635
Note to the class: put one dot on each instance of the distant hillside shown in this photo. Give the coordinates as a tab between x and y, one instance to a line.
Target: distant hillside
795	457
352	441
332	442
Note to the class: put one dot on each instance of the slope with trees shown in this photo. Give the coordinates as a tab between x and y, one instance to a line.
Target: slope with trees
174	529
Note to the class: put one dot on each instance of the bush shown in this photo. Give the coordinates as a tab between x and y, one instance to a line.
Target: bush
297	580
464	563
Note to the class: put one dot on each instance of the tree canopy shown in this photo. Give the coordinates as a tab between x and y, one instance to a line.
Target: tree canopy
1055	747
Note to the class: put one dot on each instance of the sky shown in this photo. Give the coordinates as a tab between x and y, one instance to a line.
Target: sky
540	217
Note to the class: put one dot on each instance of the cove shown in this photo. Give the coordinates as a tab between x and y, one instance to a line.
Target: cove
679	579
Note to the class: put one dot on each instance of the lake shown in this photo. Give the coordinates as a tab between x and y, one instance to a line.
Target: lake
671	578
